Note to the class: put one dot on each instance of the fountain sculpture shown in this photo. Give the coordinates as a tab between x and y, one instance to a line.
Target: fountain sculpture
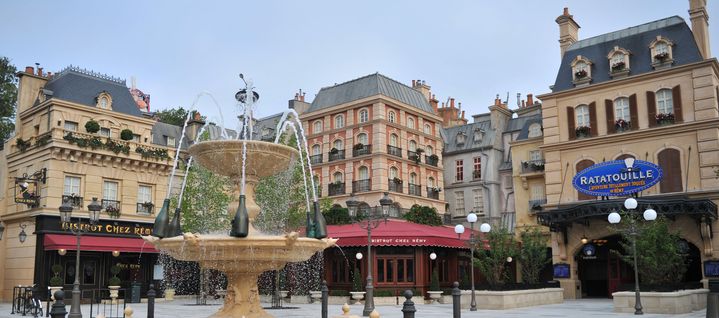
245	253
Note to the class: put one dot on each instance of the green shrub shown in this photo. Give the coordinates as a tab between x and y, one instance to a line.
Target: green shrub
493	262
533	254
357	281
126	134
56	280
341	293
92	126
114	281
337	216
56	269
434	282
423	215
384	293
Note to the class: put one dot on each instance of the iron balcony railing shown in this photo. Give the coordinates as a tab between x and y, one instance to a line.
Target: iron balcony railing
338	155
413	155
432	193
533	166
432	161
395	151
74	200
361	151
362	185
415	189
336	188
145	208
395	186
112	207
537	203
316	159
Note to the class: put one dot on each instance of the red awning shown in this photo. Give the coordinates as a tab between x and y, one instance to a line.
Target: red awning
398	233
98	243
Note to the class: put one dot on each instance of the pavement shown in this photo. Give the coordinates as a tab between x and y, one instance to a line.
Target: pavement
583	308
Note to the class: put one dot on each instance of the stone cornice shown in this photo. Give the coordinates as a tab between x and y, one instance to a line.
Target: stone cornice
368	101
51	103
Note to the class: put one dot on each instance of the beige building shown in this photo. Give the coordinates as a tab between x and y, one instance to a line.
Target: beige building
52	157
647	92
373	135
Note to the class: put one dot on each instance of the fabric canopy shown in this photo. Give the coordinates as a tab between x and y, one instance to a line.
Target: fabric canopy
399	233
98	243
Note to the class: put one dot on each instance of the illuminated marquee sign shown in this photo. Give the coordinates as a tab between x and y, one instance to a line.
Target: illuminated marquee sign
617	177
127	229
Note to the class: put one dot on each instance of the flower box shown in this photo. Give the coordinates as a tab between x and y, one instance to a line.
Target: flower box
665	119
582	131
618	67
622	125
661	57
580	74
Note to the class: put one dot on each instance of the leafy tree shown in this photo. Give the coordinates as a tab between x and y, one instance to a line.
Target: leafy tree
493	262
172	116
423	215
357	281
660	260
533	254
205	201
337	215
8	99
434	281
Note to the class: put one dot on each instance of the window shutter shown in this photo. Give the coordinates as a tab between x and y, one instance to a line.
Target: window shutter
677	100
609	109
579	167
651	109
593	119
633	115
670	161
570	123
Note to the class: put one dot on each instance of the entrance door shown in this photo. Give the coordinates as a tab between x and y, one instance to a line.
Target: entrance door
614	273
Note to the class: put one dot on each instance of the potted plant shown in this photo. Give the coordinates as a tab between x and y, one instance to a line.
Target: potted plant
582	131
434	292
661	57
113	284
113	211
359	146
55	281
127	135
618	67
477	174
92	126
622	125
334	151
357	290
433	159
22	145
665	118
580	74
397	180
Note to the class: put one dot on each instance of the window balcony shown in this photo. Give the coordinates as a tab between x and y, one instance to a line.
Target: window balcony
415	189
147	208
395	186
362	185
361	150
394	151
476	175
431	160
338	155
533	166
536	204
337	188
111	207
316	159
74	200
433	193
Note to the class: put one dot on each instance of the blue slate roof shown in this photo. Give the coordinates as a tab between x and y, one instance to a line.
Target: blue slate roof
636	40
81	86
528	121
363	87
450	136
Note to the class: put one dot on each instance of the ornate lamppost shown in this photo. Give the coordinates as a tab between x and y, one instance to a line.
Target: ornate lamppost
614	218
66	217
370	222
459	229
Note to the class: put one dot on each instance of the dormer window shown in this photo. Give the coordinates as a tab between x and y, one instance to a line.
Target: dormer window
104	101
618	62
661	51
581	70
170	141
478	134
461	138
535	130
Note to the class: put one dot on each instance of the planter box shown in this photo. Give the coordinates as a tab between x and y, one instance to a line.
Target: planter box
338	300
488	299
678	302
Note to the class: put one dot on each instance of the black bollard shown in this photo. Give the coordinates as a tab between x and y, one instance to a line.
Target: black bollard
58	308
713	299
408	309
151	301
456	301
325	298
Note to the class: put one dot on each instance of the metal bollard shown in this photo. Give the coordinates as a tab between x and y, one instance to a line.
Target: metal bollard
713	299
325	298
58	308
456	301
151	301
128	312
374	313
408	308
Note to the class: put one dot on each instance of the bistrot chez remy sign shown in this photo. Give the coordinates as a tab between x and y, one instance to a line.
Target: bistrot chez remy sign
617	177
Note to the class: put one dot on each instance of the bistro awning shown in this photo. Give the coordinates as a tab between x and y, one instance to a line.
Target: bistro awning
399	233
98	243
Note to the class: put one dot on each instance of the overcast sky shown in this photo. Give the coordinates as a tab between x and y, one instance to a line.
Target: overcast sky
470	50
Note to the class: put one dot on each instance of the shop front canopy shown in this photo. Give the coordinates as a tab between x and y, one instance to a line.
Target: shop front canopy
399	233
98	243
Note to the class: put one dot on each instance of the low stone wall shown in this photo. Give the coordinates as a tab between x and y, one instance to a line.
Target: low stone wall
489	299
338	300
678	302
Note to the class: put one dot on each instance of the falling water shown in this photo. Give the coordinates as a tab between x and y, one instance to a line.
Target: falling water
244	149
189	164
296	118
304	173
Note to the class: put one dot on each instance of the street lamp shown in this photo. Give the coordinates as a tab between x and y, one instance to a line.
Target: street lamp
370	222
459	229
66	216
614	218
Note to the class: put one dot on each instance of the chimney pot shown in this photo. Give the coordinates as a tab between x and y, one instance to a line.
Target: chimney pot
414	83
39	71
29	69
523	105
530	99
451	103
566	11
462	114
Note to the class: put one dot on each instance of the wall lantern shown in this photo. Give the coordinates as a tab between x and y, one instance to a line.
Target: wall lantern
22	236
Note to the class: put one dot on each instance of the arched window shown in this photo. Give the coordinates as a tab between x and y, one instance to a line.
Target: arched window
624	156
670	161
581	166
316	150
410	122
391	117
338	177
394	140
621	109
362	139
317	127
393	173
363	173
581	69
428	129
363	116
413	178
618	60
535	130
661	51
665	103
338	144
339	121
412	145
430	182
582	114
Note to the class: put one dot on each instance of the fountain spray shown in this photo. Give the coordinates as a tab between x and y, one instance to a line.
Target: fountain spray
241	221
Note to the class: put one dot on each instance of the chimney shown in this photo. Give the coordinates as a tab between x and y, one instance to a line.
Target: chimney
523	105
29	70
39	71
700	26
298	103
530	100
422	87
568	30
451	103
433	102
462	114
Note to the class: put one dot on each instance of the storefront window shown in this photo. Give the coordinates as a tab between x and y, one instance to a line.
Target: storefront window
88	277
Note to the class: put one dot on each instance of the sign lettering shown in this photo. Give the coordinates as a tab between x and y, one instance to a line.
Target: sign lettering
617	177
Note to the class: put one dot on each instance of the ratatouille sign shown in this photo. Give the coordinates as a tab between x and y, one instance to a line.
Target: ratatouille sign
617	177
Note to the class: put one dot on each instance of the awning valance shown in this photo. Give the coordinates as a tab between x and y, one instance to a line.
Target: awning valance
398	233
98	243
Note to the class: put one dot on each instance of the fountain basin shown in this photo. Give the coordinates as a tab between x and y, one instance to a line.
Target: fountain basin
224	157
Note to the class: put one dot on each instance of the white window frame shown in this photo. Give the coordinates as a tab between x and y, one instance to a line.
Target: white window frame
363	115
428	129
391	117
410	122
430	182
72	186
105	132
581	114
535	155
363	139
317	127
338	177
339	144
108	193
144	193
339	121
665	101
394	140
412	145
430	150
621	109
412	178
360	173
70	125
536	192
535	130
316	150
459	202
478	197
393	172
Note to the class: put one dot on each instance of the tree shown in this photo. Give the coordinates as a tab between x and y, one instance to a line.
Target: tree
337	215
172	116
8	99
205	201
533	254
423	215
434	280
493	262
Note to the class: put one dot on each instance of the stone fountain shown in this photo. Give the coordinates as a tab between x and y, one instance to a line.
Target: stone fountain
242	259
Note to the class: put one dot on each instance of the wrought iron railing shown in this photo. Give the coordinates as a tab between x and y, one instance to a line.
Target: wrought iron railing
395	185
146	208
430	160
415	189
533	166
361	151
112	207
413	155
362	185
316	159
338	155
537	203
336	188
395	151
432	193
74	200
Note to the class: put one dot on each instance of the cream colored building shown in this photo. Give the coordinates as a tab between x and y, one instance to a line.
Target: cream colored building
647	92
